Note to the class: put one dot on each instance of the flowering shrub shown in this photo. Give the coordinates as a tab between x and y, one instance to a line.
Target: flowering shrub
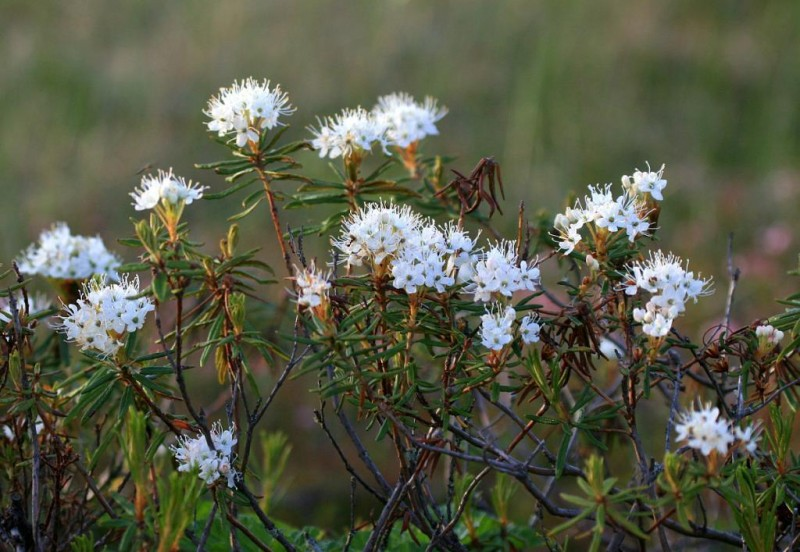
486	405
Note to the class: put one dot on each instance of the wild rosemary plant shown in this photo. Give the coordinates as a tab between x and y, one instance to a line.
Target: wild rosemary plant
474	398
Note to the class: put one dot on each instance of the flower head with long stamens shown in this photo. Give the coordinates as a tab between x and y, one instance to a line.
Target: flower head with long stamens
61	255
246	108
104	313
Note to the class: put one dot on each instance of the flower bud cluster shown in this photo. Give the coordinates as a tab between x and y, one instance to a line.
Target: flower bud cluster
497	327
601	212
768	335
166	188
104	313
245	108
195	454
59	254
397	120
706	431
312	285
671	286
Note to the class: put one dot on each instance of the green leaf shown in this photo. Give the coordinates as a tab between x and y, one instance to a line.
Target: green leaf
160	287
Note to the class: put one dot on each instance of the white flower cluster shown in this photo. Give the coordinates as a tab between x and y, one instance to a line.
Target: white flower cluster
376	232
397	120
418	253
499	271
165	187
646	182
671	286
352	130
104	313
195	453
497	327
406	120
59	254
705	430
312	285
430	257
769	335
605	212
37	302
245	108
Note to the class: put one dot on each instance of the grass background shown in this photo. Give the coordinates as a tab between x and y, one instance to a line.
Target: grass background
563	95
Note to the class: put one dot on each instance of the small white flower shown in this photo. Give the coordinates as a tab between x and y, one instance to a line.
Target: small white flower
646	182
59	254
529	329
245	108
748	438
313	286
167	188
406	120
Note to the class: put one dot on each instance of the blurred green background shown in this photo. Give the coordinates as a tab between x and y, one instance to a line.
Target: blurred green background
563	94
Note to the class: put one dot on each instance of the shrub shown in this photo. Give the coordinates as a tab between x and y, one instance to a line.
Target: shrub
579	409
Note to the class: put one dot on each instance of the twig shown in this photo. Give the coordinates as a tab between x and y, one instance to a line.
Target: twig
276	533
248	533
207	529
26	388
673	408
460	510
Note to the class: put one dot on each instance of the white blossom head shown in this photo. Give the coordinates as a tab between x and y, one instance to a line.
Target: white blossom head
313	286
646	182
246	108
353	131
497	271
166	188
376	233
623	215
58	254
104	314
406	120
497	327
211	465
670	283
704	430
